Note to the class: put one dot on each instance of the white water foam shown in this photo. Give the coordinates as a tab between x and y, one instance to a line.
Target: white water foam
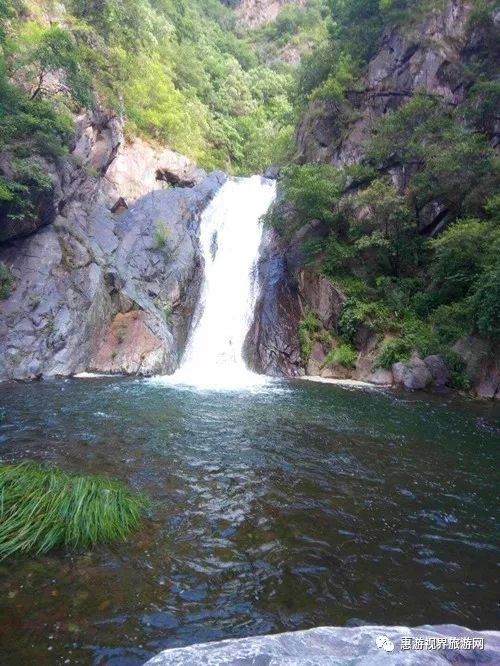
230	237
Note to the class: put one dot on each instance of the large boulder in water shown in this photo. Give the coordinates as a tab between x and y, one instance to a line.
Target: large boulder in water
338	646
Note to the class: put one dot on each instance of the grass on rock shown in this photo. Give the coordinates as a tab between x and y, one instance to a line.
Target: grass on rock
43	508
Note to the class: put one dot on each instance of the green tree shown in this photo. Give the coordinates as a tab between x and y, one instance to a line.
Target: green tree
459	256
384	229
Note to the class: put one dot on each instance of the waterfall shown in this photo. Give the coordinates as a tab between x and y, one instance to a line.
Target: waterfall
230	236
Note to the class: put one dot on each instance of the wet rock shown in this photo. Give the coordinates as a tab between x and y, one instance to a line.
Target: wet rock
336	646
272	172
272	344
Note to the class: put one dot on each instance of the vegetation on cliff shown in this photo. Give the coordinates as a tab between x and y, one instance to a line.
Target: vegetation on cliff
187	74
413	228
181	73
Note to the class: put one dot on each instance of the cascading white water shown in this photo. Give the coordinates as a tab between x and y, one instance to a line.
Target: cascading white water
230	236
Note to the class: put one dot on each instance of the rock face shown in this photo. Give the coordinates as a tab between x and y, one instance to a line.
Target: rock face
104	291
430	58
272	345
337	646
258	12
482	365
420	60
318	293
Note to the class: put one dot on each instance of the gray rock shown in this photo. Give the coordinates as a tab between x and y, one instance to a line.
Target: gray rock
74	277
406	61
316	360
254	13
321	295
338	646
482	364
438	369
272	344
415	376
272	172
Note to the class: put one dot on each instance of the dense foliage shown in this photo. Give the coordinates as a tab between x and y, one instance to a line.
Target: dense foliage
43	508
179	71
419	285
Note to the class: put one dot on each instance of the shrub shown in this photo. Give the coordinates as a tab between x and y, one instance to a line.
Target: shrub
6	281
486	303
416	336
459	257
344	355
451	322
312	190
42	508
161	235
309	327
458	375
393	351
358	313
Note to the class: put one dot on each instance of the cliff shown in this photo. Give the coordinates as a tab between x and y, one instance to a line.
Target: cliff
253	13
110	281
431	57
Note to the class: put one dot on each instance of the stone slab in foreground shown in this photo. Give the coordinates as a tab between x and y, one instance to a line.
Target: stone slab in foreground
338	646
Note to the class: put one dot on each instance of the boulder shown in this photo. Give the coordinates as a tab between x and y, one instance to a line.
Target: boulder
438	369
415	376
336	646
380	377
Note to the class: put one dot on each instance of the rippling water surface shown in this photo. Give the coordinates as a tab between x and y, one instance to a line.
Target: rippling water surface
285	507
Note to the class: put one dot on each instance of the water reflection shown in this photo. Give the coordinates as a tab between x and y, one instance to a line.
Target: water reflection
292	506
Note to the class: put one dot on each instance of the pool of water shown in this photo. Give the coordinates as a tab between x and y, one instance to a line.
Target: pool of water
284	507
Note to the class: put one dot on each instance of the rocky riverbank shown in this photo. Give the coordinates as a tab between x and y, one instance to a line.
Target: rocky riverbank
366	645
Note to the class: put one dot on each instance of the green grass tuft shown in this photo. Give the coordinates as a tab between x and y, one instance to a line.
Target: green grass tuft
43	508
